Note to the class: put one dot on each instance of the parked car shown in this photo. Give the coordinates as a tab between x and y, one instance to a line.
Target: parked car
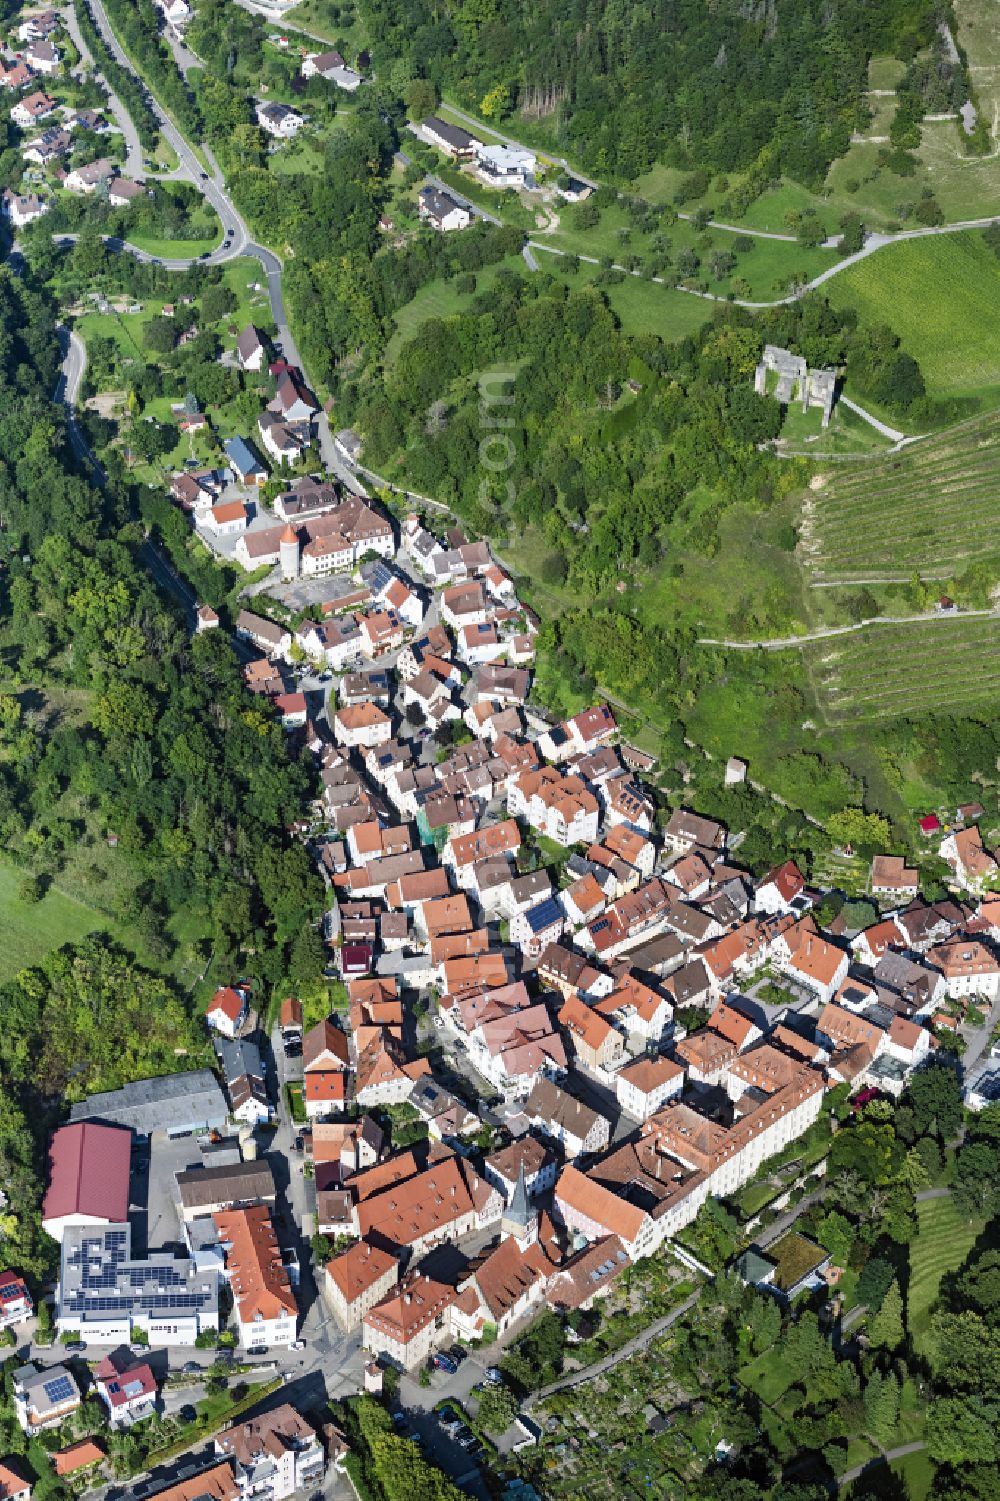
444	1362
298	1344
494	1375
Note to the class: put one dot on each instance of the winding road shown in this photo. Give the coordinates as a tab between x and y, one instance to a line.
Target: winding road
237	240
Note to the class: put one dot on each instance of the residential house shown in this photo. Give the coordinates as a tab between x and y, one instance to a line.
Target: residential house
245	465
685	831
587	1276
575	1127
87	179
127	1388
361	726
893	879
279	120
264	1304
641	1013
451	139
243	1071
227	519
48	147
21	209
968	967
974	867
441	211
411	1323
534	928
43	57
32	108
286	442
274	1454
15	76
227	1011
122	192
14	1486
274	640
251	350
812	960
502	166
15	1300
294	402
527	1156
558	806
325	1061
596	1043
44	1398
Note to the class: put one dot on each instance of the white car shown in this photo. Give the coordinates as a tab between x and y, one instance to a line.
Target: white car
297	1344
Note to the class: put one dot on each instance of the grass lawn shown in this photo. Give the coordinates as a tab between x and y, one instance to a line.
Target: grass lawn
768	1376
32	930
917	1472
325	20
174	249
941	295
642	306
847	433
944	1239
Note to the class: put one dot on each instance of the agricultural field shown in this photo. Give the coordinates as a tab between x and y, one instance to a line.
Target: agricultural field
888	670
931	508
941	295
943	1242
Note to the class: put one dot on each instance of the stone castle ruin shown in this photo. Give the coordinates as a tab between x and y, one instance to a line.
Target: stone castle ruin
814	388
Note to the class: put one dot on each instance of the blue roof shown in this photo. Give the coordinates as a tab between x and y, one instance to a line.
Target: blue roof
544	915
242	456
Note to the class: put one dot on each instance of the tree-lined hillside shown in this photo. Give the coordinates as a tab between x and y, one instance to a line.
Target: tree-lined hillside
775	83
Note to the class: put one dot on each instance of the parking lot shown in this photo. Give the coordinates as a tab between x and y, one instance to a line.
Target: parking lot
155	1226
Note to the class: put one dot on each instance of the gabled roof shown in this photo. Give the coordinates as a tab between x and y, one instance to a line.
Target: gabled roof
598	1204
324	1047
88	1172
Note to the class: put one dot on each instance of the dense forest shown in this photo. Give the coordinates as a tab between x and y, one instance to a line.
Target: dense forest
114	721
775	86
610	481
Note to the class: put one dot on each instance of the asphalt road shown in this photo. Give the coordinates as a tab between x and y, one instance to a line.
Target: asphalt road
133	148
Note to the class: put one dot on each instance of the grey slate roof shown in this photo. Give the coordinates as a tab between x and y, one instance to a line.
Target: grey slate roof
170	1102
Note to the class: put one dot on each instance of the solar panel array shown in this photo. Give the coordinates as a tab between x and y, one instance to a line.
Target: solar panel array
59	1389
99	1277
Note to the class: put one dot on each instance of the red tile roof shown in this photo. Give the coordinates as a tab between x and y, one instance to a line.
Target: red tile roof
88	1172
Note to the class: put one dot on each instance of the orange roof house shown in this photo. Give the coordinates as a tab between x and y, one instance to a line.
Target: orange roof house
68	1461
261	1289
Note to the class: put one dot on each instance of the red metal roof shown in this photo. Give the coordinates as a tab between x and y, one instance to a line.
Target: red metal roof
88	1172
